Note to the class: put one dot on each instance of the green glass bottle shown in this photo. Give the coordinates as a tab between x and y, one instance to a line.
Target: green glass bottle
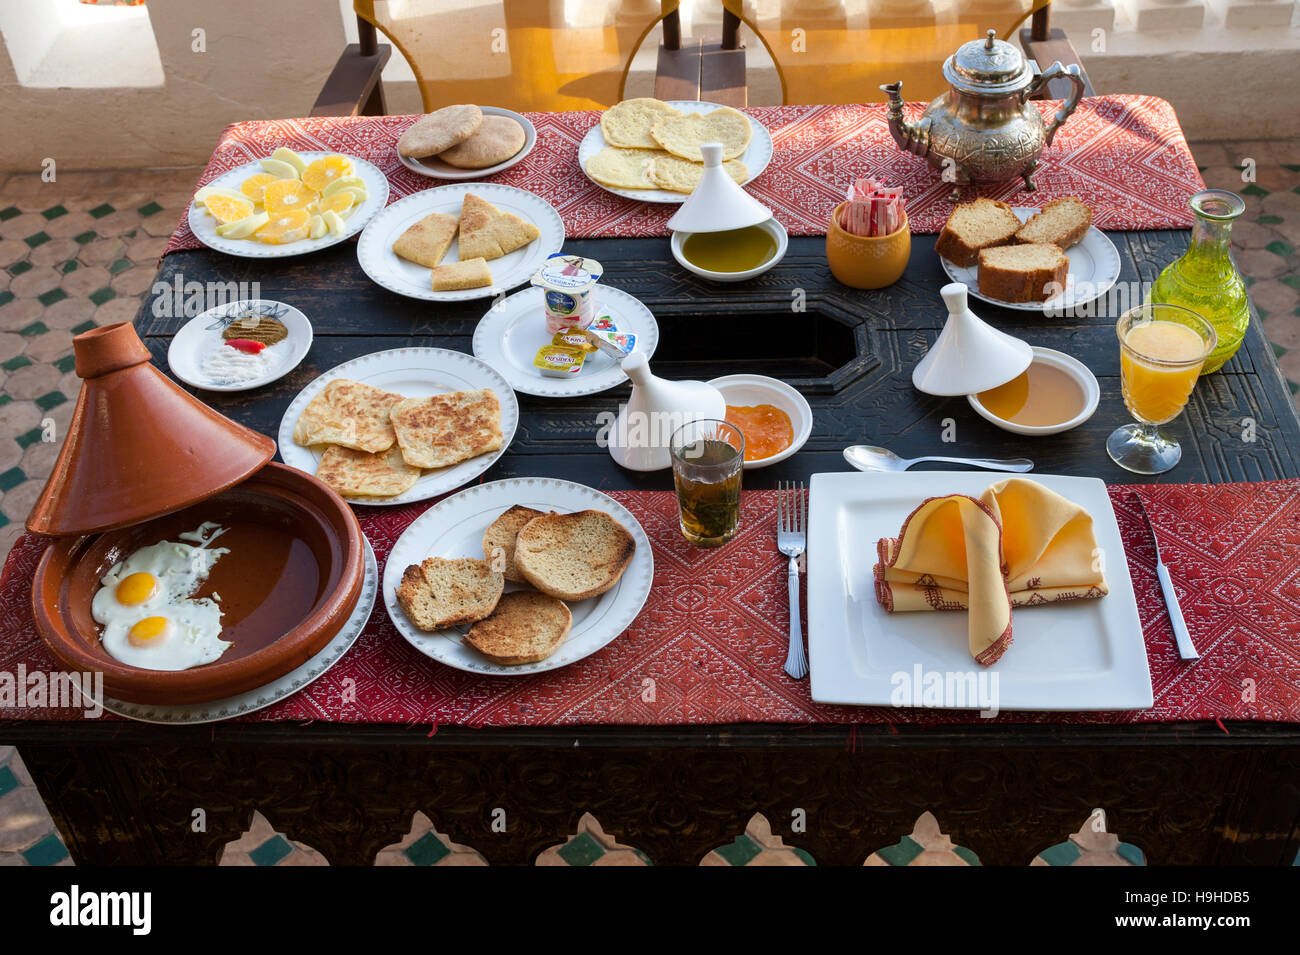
1206	279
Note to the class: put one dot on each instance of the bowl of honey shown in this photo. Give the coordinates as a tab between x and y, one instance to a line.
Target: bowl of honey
732	255
775	419
1054	394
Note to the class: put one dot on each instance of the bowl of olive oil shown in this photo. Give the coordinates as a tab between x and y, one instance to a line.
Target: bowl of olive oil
732	255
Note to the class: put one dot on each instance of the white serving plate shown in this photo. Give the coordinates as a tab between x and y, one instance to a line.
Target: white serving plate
435	168
512	331
1094	268
1076	655
454	528
386	268
201	334
204	226
273	692
749	390
415	373
756	156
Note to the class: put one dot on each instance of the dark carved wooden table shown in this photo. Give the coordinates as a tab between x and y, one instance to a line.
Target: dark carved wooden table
1187	793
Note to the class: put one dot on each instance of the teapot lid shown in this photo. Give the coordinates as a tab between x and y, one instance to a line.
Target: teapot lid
988	67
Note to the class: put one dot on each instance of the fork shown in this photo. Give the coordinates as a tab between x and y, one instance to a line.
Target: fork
791	539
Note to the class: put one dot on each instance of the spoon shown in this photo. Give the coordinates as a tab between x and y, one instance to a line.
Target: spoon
864	457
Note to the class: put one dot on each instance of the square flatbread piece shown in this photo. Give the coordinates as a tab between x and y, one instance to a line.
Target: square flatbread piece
360	474
349	414
426	242
442	430
454	276
488	233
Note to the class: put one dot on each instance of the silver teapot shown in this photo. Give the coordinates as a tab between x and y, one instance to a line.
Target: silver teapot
984	129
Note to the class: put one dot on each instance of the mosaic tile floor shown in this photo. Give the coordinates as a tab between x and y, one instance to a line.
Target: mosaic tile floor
81	252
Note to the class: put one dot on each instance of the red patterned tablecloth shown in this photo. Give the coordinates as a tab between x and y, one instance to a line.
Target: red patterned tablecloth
712	636
1124	155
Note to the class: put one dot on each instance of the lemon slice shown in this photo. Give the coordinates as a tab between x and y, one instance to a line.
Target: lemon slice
285	154
335	222
202	195
243	228
316	227
280	169
347	182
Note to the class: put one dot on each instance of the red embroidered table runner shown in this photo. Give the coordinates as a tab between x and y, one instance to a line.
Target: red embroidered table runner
1124	155
712	636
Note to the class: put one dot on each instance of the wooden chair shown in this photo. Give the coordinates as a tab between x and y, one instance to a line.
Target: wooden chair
824	55
520	54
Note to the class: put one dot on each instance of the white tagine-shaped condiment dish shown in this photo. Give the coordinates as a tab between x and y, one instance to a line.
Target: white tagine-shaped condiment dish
656	408
970	355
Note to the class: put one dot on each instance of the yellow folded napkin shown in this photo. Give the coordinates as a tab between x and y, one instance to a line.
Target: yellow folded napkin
1039	547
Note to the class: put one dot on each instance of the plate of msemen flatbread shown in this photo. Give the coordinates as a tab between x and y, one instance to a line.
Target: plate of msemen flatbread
622	155
400	425
510	334
419	240
436	168
457	529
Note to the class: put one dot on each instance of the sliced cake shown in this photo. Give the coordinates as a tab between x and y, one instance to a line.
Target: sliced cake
977	225
1023	273
1062	223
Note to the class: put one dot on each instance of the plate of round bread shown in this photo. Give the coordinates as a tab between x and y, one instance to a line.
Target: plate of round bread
1050	260
466	142
518	576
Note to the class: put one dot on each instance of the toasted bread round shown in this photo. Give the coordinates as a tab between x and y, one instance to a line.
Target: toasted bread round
499	540
525	627
573	556
441	593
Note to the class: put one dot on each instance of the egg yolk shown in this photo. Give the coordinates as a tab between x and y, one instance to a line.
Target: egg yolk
148	631
136	589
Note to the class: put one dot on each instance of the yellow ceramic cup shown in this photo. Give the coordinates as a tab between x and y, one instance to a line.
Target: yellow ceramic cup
867	261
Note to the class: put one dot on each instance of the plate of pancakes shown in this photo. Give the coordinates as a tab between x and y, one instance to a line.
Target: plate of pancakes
401	425
518	576
464	141
649	149
460	242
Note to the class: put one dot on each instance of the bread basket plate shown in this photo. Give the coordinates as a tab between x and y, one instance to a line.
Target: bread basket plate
415	373
1094	269
454	528
204	226
435	168
756	156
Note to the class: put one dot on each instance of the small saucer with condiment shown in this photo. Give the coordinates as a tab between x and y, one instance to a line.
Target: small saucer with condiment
1055	393
240	345
734	254
761	407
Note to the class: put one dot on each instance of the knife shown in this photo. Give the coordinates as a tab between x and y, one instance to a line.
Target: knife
1186	649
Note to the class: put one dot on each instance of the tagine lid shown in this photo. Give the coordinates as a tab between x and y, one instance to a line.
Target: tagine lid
718	203
970	355
138	446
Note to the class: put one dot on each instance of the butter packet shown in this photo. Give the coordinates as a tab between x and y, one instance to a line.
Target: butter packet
605	335
559	361
574	339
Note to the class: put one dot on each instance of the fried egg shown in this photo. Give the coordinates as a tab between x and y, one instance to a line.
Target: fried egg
145	606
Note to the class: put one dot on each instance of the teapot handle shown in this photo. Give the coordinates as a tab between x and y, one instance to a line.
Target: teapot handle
1054	72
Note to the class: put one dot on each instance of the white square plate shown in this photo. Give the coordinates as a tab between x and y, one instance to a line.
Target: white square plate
1077	655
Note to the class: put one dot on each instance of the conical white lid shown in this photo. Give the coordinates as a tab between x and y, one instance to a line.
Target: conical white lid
970	355
718	203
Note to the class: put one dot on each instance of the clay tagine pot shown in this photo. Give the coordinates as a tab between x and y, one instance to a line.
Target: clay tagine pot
138	445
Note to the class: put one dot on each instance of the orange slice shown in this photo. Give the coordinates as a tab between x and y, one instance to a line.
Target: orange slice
322	172
285	227
338	203
254	186
228	209
285	195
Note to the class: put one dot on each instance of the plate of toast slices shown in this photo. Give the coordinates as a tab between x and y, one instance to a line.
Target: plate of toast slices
649	149
1049	260
465	241
466	142
400	425
518	576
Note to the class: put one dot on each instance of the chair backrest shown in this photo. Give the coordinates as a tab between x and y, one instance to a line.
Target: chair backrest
519	54
841	51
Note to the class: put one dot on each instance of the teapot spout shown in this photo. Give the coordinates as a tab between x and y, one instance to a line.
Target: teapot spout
913	137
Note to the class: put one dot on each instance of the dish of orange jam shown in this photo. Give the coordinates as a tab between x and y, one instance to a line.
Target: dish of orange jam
767	429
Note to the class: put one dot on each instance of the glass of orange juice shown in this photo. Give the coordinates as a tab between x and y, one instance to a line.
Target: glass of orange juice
1162	349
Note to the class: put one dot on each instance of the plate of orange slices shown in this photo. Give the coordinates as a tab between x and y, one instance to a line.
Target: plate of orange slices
289	203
